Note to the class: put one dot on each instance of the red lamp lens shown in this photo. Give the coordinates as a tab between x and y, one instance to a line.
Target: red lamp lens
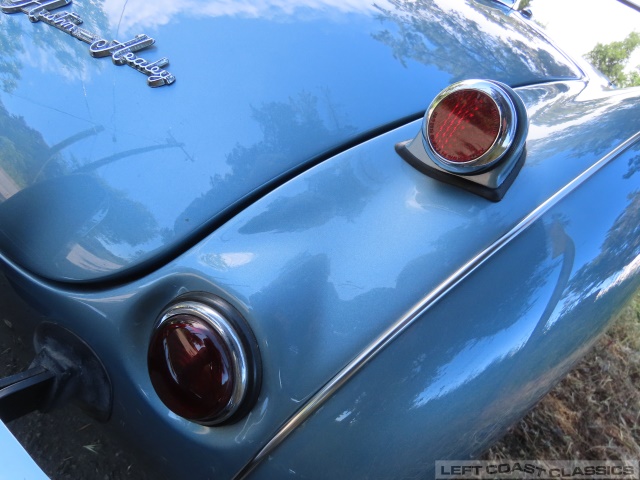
464	125
191	368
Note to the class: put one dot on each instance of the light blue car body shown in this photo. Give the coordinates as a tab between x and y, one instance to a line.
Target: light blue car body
399	320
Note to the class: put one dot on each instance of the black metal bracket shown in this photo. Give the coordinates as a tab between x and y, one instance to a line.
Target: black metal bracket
65	369
493	194
25	392
490	181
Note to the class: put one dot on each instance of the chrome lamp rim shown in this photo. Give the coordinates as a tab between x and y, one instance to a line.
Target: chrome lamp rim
231	339
501	144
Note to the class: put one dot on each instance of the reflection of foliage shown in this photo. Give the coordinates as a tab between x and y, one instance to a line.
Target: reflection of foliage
292	131
611	59
524	4
459	45
621	246
287	129
130	222
10	46
331	193
70	54
634	166
24	153
22	149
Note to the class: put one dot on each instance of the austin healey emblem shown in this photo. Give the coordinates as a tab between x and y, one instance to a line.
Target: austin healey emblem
121	53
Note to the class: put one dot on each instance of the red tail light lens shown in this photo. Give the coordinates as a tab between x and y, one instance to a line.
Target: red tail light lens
469	126
464	126
198	363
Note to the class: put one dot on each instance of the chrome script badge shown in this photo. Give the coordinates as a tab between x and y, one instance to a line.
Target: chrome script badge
121	53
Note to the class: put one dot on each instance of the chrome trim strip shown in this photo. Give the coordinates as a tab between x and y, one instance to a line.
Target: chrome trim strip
635	4
391	333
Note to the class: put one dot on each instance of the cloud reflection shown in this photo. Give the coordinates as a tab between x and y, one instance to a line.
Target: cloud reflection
128	15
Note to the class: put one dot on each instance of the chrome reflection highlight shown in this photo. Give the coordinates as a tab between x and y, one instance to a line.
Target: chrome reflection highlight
485	149
239	360
508	122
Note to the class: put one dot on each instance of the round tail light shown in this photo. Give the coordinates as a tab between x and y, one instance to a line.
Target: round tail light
203	360
469	126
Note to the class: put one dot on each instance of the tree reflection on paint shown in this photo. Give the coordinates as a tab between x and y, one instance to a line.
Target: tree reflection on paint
70	56
424	32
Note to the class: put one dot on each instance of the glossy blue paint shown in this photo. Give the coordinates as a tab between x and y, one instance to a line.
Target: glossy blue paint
323	264
239	180
117	178
477	360
15	461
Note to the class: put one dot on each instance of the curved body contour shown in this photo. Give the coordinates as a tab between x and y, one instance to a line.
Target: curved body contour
421	318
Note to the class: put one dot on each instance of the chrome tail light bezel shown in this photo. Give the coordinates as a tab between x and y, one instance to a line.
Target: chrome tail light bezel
238	338
508	123
491	174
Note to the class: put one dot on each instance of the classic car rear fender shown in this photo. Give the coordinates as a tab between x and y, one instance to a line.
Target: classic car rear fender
482	350
324	265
